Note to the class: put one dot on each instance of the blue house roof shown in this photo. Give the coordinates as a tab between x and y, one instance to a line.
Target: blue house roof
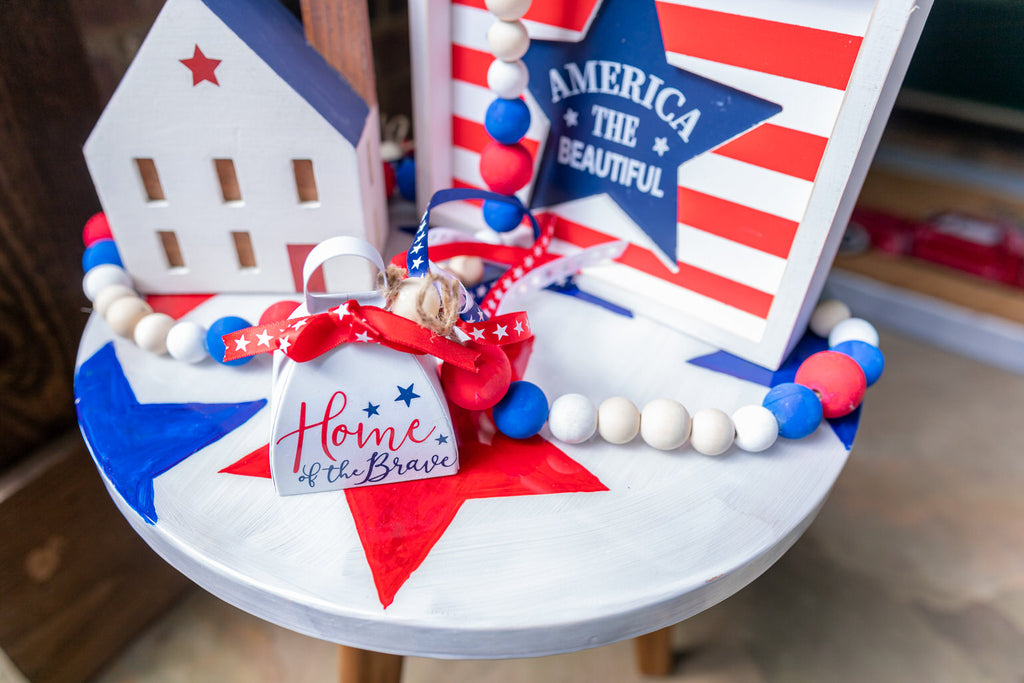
273	33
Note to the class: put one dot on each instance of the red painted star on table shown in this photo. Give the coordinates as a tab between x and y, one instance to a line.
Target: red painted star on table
398	524
202	67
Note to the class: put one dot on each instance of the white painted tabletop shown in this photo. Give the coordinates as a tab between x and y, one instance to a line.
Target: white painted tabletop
673	534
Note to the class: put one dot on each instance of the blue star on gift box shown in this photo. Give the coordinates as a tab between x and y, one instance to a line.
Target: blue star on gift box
623	119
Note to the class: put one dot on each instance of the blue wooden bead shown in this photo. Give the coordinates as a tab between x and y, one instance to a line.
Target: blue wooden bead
405	178
218	329
522	412
99	252
796	407
868	357
501	216
507	120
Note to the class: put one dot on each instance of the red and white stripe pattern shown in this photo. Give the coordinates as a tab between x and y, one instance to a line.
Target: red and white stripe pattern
739	206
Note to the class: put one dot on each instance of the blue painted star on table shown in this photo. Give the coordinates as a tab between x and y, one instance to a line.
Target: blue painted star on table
632	98
721	361
406	394
134	442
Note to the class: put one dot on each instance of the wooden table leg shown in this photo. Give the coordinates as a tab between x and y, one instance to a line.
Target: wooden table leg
364	666
654	653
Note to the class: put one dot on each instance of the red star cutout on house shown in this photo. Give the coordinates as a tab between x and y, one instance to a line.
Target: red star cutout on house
398	524
202	67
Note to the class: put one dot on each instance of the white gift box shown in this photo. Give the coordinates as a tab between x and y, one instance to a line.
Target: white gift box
360	414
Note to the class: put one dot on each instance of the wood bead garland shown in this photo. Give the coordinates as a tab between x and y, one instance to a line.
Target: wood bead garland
664	424
711	431
508	9
756	428
618	420
507	80
103	276
508	39
573	418
125	313
186	341
827	315
109	295
151	332
853	329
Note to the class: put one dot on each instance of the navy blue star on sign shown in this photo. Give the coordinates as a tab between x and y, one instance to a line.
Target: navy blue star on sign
441	438
406	394
623	119
371	409
134	442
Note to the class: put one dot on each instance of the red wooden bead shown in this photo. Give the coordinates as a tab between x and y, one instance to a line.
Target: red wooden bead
482	389
277	312
96	228
837	379
505	168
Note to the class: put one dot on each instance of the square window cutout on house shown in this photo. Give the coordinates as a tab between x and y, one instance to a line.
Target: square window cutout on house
305	182
150	180
172	250
244	250
230	190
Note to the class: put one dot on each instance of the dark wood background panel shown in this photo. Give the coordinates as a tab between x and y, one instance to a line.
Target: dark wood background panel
47	107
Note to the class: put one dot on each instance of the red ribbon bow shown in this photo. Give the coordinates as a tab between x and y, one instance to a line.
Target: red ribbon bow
306	338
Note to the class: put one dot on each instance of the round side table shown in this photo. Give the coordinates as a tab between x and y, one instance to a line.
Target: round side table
533	548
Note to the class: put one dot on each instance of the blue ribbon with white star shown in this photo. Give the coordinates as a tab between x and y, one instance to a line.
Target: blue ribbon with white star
417	260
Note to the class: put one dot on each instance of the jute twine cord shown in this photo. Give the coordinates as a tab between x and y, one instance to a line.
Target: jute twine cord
441	321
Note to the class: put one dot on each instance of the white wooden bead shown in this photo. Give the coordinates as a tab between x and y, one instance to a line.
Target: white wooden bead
827	315
390	151
853	329
507	80
756	428
151	332
125	313
469	269
404	303
508	40
572	418
664	424
109	295
186	341
101	277
618	420
712	432
508	9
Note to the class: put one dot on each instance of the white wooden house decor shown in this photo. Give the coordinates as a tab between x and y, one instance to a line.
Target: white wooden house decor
231	148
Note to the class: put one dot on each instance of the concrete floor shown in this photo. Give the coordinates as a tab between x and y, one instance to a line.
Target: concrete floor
914	570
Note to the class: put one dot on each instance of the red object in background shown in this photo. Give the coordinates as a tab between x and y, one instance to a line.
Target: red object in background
390	181
986	247
888	233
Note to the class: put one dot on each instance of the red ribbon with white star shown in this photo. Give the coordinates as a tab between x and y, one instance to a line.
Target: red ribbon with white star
303	339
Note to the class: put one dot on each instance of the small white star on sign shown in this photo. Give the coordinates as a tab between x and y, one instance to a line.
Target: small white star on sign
263	338
660	146
571	117
242	344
